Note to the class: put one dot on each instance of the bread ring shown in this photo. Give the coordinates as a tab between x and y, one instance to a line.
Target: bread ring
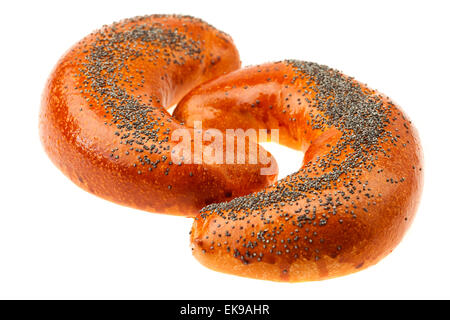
353	198
103	120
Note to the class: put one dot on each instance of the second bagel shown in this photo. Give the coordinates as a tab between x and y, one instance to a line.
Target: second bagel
351	202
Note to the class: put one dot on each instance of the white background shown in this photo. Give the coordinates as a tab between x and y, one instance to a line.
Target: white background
58	241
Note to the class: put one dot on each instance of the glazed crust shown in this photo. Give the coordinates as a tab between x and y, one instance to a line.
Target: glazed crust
348	206
103	120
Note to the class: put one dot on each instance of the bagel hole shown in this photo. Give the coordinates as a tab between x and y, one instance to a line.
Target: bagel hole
171	109
289	160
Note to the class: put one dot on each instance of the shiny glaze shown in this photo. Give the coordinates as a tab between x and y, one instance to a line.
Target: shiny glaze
316	223
103	120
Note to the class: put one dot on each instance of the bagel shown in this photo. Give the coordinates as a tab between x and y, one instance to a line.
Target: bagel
104	124
350	203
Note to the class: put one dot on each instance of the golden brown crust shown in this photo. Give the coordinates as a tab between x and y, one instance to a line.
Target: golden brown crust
103	121
348	206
